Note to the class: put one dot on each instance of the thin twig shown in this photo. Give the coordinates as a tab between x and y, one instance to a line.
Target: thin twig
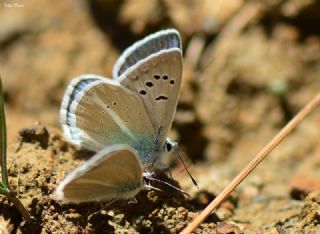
308	108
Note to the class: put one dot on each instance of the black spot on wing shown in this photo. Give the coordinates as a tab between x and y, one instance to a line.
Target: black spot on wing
143	92
161	98
149	84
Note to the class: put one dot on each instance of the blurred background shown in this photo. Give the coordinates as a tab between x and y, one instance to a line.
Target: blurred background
249	66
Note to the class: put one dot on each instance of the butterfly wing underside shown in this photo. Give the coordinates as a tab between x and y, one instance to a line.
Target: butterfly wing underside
113	173
152	68
97	112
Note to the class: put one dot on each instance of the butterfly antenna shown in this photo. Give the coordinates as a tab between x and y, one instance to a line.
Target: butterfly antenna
168	184
191	177
182	170
105	206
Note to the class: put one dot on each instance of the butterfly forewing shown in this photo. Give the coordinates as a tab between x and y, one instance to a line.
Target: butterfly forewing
152	68
114	172
152	44
157	81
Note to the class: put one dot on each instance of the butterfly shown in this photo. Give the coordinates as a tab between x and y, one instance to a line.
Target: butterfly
125	120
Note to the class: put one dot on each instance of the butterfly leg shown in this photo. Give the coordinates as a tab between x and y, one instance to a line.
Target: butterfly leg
105	206
132	200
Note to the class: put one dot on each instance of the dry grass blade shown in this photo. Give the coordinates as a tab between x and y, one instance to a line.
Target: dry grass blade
308	108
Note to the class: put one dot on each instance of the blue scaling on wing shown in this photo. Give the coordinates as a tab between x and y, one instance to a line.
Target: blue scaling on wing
145	145
164	40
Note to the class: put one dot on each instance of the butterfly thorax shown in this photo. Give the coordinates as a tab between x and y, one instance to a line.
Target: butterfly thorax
151	156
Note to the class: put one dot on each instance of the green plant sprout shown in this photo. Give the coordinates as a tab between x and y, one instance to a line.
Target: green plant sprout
4	184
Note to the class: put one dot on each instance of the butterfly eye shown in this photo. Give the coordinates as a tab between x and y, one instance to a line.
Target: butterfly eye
168	147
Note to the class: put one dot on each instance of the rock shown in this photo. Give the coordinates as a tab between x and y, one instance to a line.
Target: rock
301	186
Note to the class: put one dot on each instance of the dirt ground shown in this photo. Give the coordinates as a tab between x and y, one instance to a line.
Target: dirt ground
249	66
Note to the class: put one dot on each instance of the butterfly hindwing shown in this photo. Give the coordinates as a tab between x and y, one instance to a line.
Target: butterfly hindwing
114	172
67	116
100	112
